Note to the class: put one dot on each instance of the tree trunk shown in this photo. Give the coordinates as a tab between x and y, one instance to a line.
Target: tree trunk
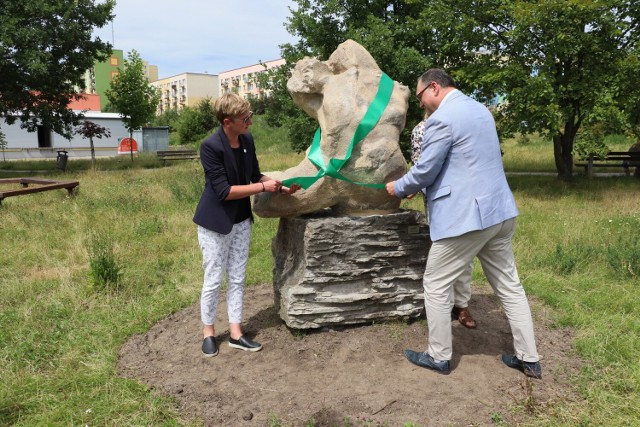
563	151
131	143
93	154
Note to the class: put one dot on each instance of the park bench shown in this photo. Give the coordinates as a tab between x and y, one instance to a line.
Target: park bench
613	159
165	156
42	185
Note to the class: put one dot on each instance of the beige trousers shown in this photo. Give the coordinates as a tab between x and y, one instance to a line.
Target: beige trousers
462	286
449	259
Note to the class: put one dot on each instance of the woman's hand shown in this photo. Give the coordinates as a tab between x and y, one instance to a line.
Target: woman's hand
275	186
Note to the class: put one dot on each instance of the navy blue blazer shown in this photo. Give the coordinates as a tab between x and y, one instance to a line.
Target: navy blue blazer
220	173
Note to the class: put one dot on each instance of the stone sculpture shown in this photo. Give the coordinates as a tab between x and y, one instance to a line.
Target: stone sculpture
337	93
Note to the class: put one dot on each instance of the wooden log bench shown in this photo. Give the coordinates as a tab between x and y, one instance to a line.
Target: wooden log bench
39	185
165	156
613	159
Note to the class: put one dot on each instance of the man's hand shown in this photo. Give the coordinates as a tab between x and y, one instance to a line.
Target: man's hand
390	189
289	190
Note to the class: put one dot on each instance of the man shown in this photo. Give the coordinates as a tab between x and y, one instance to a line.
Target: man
472	213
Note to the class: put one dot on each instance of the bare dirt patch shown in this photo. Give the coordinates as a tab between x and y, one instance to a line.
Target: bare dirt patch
355	373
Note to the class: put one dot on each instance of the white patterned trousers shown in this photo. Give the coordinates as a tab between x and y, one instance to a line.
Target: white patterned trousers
224	254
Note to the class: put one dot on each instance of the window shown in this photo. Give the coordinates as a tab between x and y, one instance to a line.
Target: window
113	61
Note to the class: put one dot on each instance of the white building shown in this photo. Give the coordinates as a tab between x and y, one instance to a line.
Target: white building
243	81
44	143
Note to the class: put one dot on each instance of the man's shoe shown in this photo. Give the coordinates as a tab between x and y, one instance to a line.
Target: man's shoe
245	344
424	360
530	369
464	317
209	347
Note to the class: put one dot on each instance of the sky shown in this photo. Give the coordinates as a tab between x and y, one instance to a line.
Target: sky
199	36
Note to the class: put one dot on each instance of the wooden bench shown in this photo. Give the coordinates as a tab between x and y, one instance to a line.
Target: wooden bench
165	156
43	185
613	159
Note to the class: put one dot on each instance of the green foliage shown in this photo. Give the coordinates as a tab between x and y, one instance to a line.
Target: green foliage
590	143
570	258
554	66
542	57
45	49
131	95
167	118
628	94
623	255
104	270
390	31
280	111
194	124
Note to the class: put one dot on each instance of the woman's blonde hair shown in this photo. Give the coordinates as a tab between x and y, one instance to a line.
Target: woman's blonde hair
230	105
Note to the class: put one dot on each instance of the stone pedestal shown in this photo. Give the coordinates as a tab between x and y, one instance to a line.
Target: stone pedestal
349	270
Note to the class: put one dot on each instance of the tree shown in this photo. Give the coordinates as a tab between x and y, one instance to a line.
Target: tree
132	96
386	29
45	49
557	63
89	129
553	62
197	122
3	144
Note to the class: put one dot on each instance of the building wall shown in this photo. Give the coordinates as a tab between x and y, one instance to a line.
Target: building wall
150	71
243	80
186	90
104	72
22	144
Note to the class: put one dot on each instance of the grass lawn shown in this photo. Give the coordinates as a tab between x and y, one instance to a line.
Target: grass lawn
576	244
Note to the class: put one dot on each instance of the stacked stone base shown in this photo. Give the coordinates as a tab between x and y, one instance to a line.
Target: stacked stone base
349	270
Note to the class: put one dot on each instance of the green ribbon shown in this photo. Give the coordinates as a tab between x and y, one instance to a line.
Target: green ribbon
368	122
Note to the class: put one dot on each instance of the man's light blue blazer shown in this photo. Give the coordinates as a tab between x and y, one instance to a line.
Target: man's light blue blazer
460	169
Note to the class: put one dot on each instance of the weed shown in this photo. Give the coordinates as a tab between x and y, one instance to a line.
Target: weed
497	419
624	256
568	258
104	271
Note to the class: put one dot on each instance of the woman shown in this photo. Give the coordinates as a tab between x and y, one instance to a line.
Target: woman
224	217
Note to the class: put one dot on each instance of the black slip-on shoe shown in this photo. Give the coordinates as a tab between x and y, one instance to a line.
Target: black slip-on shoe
530	369
209	347
424	360
245	344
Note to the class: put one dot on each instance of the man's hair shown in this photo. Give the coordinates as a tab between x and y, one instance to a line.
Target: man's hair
439	76
230	105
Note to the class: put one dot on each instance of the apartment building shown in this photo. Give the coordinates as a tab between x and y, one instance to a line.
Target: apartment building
243	80
186	90
98	79
150	71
